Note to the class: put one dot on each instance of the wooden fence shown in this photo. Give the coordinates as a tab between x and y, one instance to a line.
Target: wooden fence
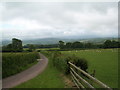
84	80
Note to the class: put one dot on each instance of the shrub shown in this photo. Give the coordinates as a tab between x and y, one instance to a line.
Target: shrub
60	61
61	64
79	62
38	50
29	50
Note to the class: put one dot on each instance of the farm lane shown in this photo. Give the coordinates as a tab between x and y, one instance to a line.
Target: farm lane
28	74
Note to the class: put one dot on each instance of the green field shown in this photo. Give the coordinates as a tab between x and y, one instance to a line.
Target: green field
43	49
105	62
49	78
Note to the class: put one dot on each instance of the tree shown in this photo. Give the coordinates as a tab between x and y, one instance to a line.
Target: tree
7	48
88	45
114	44
17	45
77	45
107	44
61	44
118	44
68	45
31	47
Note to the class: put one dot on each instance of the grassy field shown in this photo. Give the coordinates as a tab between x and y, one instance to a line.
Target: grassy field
49	78
105	62
43	49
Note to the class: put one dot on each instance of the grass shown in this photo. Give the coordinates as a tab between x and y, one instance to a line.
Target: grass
49	78
29	65
43	49
105	62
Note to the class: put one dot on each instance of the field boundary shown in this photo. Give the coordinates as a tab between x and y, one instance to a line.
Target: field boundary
74	70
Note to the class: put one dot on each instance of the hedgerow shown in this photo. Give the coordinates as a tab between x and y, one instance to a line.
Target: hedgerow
13	63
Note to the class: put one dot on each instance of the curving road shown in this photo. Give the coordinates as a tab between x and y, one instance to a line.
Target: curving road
27	74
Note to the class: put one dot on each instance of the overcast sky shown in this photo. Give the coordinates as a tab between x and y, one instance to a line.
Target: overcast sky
68	19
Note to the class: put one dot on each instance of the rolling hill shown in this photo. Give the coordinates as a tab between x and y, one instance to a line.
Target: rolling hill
56	40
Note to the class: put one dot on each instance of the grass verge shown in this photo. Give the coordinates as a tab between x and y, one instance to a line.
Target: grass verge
49	78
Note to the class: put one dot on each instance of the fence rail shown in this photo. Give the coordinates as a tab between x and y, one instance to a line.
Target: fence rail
77	78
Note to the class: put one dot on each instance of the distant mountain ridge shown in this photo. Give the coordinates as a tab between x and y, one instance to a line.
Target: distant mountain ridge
56	40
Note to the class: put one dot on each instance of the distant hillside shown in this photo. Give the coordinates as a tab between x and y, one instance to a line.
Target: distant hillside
5	42
56	40
98	40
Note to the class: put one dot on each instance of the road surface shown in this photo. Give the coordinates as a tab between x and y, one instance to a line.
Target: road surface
28	74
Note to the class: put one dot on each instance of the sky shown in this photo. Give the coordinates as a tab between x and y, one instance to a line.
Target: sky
33	20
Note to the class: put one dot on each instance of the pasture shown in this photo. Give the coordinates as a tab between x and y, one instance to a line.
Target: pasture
43	49
103	61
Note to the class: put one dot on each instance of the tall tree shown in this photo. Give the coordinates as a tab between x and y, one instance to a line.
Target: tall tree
17	45
61	44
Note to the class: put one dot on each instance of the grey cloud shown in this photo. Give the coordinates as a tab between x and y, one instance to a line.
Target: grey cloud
61	19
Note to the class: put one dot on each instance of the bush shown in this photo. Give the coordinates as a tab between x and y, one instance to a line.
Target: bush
61	64
38	50
60	61
79	62
29	50
13	63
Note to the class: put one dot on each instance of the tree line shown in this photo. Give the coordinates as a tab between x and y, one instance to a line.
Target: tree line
89	45
41	46
16	45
